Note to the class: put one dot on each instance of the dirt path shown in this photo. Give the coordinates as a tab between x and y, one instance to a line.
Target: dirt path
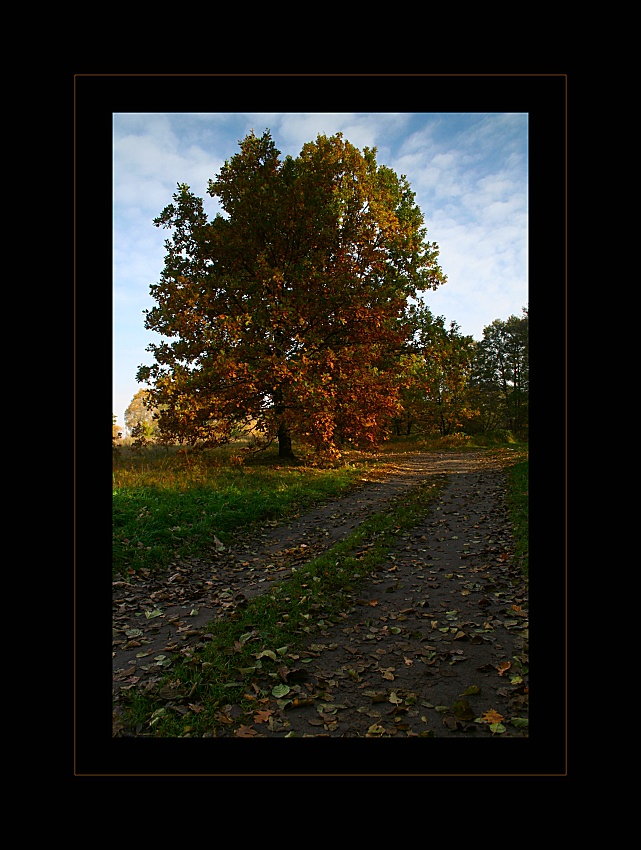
436	639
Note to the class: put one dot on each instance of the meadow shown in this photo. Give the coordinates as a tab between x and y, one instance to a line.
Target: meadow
169	504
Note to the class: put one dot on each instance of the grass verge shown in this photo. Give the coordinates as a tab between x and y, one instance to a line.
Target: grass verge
518	506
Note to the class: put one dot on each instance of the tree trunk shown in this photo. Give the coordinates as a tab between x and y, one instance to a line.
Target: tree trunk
285	443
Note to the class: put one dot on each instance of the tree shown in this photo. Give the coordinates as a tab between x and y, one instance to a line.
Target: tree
438	370
501	373
116	431
288	310
140	413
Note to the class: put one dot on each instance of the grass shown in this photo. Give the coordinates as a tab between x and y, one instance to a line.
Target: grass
518	505
166	508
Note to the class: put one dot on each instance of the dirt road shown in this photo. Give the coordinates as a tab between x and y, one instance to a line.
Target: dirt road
435	645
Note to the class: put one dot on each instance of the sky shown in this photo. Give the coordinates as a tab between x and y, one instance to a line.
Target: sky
469	172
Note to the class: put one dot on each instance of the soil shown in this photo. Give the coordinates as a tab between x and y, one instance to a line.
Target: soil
434	645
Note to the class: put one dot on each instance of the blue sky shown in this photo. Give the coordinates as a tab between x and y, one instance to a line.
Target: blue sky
469	172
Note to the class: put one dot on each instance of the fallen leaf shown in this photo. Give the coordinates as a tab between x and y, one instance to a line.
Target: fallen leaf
267	652
492	716
461	710
300	701
377	696
245	732
504	667
262	715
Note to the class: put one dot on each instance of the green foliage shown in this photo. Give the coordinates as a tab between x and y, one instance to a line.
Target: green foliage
499	385
437	369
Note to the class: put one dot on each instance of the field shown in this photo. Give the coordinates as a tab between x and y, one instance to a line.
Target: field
168	504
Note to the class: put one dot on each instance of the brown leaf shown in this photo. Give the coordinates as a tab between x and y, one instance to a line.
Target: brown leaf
262	715
504	667
245	732
223	717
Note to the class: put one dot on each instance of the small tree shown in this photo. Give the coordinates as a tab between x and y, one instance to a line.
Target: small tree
501	373
141	412
437	372
116	432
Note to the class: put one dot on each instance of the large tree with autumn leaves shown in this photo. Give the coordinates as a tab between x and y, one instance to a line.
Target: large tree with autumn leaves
288	312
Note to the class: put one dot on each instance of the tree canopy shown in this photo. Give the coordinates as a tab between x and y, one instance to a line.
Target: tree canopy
289	310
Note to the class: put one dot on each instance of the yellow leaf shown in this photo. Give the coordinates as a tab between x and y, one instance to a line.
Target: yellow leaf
492	716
